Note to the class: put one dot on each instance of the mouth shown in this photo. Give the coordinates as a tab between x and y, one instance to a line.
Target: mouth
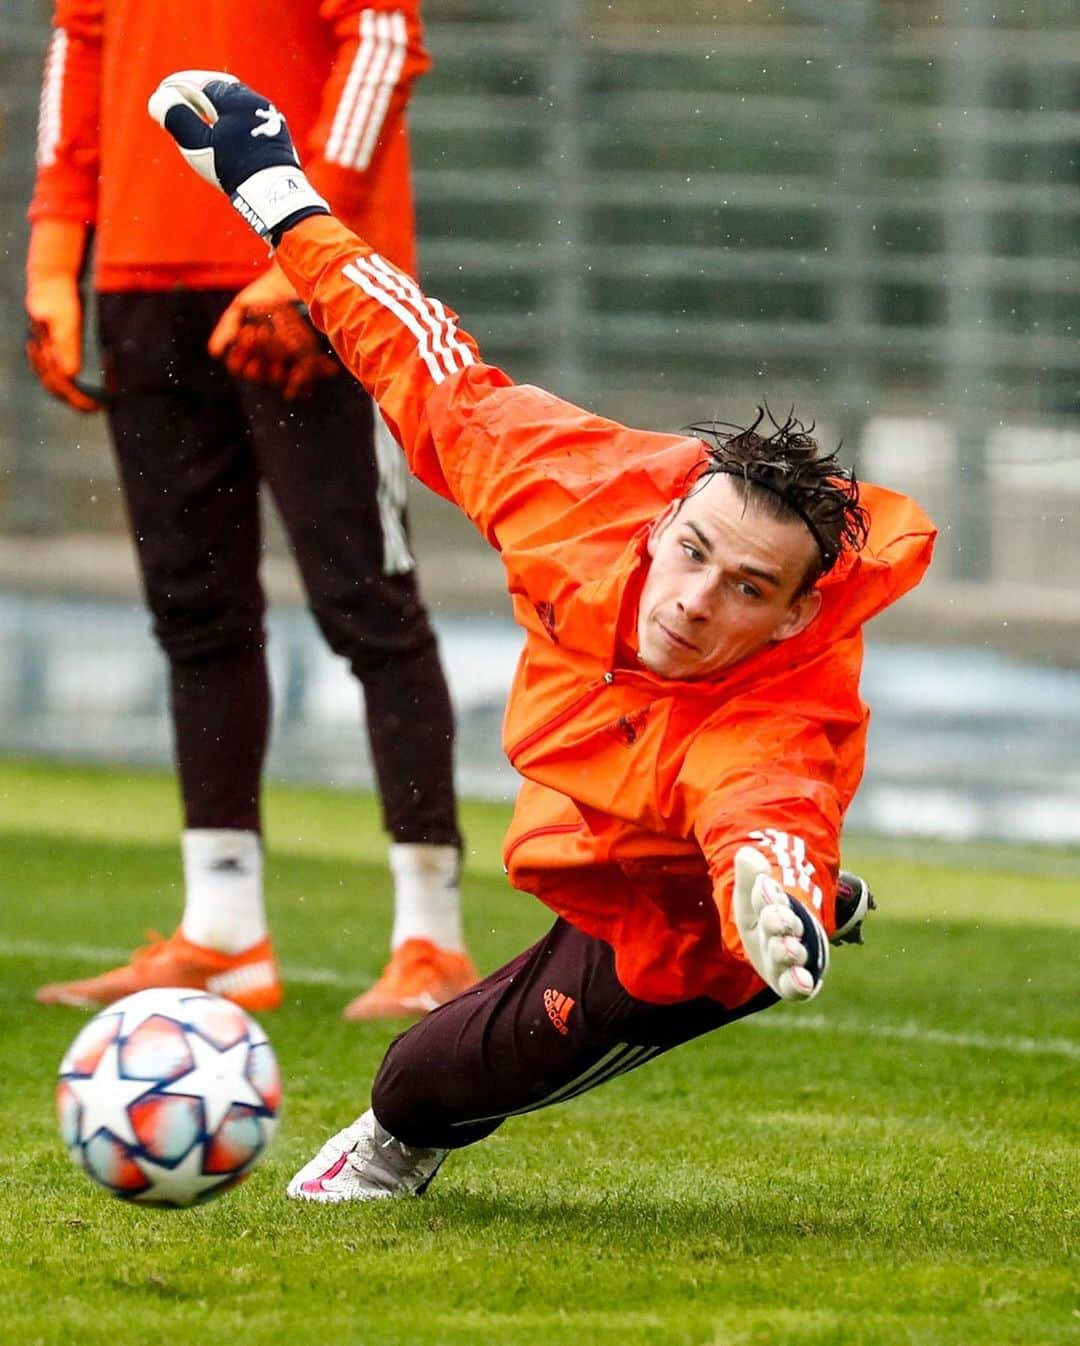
675	639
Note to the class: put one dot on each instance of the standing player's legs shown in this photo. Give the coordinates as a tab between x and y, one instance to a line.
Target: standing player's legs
340	489
550	1025
191	489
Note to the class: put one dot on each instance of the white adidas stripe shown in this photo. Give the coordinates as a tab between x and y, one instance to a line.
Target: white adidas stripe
50	107
374	74
396	283
436	333
365	53
615	1062
430	310
376	69
391	494
388	83
407	318
636	1056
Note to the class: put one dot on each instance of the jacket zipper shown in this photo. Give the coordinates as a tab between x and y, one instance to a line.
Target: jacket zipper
559	719
552	829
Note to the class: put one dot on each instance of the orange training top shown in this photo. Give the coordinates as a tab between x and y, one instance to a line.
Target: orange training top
638	790
340	70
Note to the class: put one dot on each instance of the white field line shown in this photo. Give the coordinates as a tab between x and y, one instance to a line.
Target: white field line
111	956
813	1023
913	1032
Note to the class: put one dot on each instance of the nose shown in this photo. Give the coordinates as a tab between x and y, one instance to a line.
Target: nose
694	600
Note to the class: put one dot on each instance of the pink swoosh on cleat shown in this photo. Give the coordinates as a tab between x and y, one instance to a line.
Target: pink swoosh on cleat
316	1184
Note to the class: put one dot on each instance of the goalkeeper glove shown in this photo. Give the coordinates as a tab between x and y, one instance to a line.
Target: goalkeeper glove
54	309
264	336
783	939
237	140
854	902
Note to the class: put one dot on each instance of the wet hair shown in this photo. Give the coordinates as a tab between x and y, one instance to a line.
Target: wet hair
785	474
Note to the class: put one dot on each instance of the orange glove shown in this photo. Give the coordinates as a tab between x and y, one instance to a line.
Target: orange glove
265	336
54	309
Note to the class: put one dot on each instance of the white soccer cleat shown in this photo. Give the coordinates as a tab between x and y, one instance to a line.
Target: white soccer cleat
364	1162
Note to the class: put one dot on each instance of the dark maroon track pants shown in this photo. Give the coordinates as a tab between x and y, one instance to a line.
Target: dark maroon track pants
193	446
551	1024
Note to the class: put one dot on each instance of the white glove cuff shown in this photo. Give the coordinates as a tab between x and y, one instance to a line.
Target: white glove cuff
270	196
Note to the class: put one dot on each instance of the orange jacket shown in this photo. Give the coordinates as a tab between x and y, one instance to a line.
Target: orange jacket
340	70
638	790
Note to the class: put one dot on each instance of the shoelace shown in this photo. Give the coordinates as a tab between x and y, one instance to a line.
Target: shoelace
410	965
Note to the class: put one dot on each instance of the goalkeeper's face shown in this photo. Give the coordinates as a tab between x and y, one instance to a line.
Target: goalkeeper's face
724	580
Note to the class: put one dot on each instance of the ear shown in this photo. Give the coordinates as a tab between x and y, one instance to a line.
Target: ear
799	615
660	525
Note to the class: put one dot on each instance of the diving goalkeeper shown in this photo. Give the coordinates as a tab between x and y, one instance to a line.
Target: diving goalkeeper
685	713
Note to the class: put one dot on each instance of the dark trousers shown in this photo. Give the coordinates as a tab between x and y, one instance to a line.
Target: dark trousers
551	1024
193	446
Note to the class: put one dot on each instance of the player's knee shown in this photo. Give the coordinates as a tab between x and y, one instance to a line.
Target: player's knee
420	1094
401	1095
379	632
199	634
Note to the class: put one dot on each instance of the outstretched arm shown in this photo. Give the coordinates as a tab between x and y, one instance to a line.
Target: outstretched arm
516	460
400	343
763	807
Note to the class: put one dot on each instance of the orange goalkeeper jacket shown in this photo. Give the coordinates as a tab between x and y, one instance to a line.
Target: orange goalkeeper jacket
340	70
638	790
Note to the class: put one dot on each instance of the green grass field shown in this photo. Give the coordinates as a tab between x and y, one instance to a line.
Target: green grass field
896	1163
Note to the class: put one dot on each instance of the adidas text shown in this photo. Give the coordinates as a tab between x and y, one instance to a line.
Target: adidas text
237	980
558	1008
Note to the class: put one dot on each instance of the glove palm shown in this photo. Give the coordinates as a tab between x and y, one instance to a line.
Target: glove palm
783	939
54	310
264	336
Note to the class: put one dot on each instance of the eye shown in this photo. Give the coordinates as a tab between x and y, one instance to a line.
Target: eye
693	553
747	589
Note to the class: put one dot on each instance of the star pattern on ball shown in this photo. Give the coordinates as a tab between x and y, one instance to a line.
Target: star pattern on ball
104	1097
181	1185
217	1078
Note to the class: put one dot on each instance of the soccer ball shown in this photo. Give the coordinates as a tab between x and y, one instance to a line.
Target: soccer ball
169	1097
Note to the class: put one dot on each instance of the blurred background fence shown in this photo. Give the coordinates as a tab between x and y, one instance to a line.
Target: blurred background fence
869	210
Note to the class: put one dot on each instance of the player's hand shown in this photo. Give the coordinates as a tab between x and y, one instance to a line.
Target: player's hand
265	336
783	939
54	310
237	140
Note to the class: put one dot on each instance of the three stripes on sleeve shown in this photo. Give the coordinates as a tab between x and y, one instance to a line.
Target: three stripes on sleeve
438	340
369	85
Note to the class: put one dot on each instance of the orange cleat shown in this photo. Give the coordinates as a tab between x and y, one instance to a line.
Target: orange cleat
419	977
249	979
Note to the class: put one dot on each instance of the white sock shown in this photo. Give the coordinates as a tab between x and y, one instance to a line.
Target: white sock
427	898
223	907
